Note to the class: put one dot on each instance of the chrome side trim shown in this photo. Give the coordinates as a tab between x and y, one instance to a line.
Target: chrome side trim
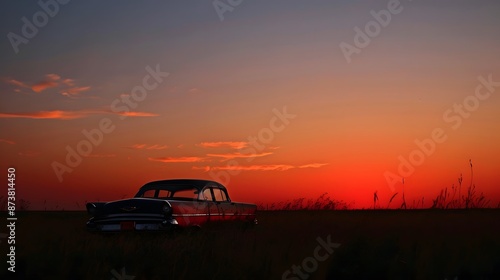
215	214
138	215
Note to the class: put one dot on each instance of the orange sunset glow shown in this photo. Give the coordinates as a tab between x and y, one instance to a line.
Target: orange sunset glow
277	101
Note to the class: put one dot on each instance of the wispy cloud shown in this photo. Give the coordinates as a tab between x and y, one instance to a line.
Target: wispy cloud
194	90
17	83
137	146
53	77
271	167
224	144
69	115
239	155
74	91
177	159
50	81
56	114
204	168
268	167
69	82
313	165
147	147
7	141
138	114
157	147
41	86
67	87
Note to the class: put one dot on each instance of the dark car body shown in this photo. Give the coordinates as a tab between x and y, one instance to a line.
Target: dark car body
168	204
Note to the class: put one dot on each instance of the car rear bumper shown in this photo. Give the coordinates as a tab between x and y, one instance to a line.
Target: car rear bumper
121	225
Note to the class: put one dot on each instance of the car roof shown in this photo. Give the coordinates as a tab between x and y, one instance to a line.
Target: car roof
179	184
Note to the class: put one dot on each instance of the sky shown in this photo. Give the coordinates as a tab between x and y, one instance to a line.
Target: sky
277	100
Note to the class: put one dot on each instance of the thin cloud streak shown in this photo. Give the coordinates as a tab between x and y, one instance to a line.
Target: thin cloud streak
16	83
177	159
157	147
8	141
70	115
49	82
74	91
137	114
56	114
239	155
268	167
67	86
194	90
204	168
69	82
229	144
271	167
53	77
313	165
41	86
146	147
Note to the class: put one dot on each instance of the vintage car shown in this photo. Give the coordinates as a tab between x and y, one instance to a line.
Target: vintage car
169	204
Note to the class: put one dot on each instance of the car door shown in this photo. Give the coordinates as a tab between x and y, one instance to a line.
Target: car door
194	208
227	209
206	197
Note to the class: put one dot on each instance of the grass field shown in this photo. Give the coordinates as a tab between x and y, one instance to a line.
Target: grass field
381	244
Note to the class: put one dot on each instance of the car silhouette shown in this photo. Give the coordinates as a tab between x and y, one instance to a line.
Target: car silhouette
170	204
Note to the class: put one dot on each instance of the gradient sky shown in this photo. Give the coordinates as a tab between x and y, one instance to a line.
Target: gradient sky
227	79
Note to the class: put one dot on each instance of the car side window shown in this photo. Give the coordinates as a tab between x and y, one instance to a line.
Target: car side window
223	195
185	193
219	195
149	194
163	194
206	195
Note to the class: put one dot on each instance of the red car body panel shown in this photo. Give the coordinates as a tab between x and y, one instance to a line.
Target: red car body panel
200	213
